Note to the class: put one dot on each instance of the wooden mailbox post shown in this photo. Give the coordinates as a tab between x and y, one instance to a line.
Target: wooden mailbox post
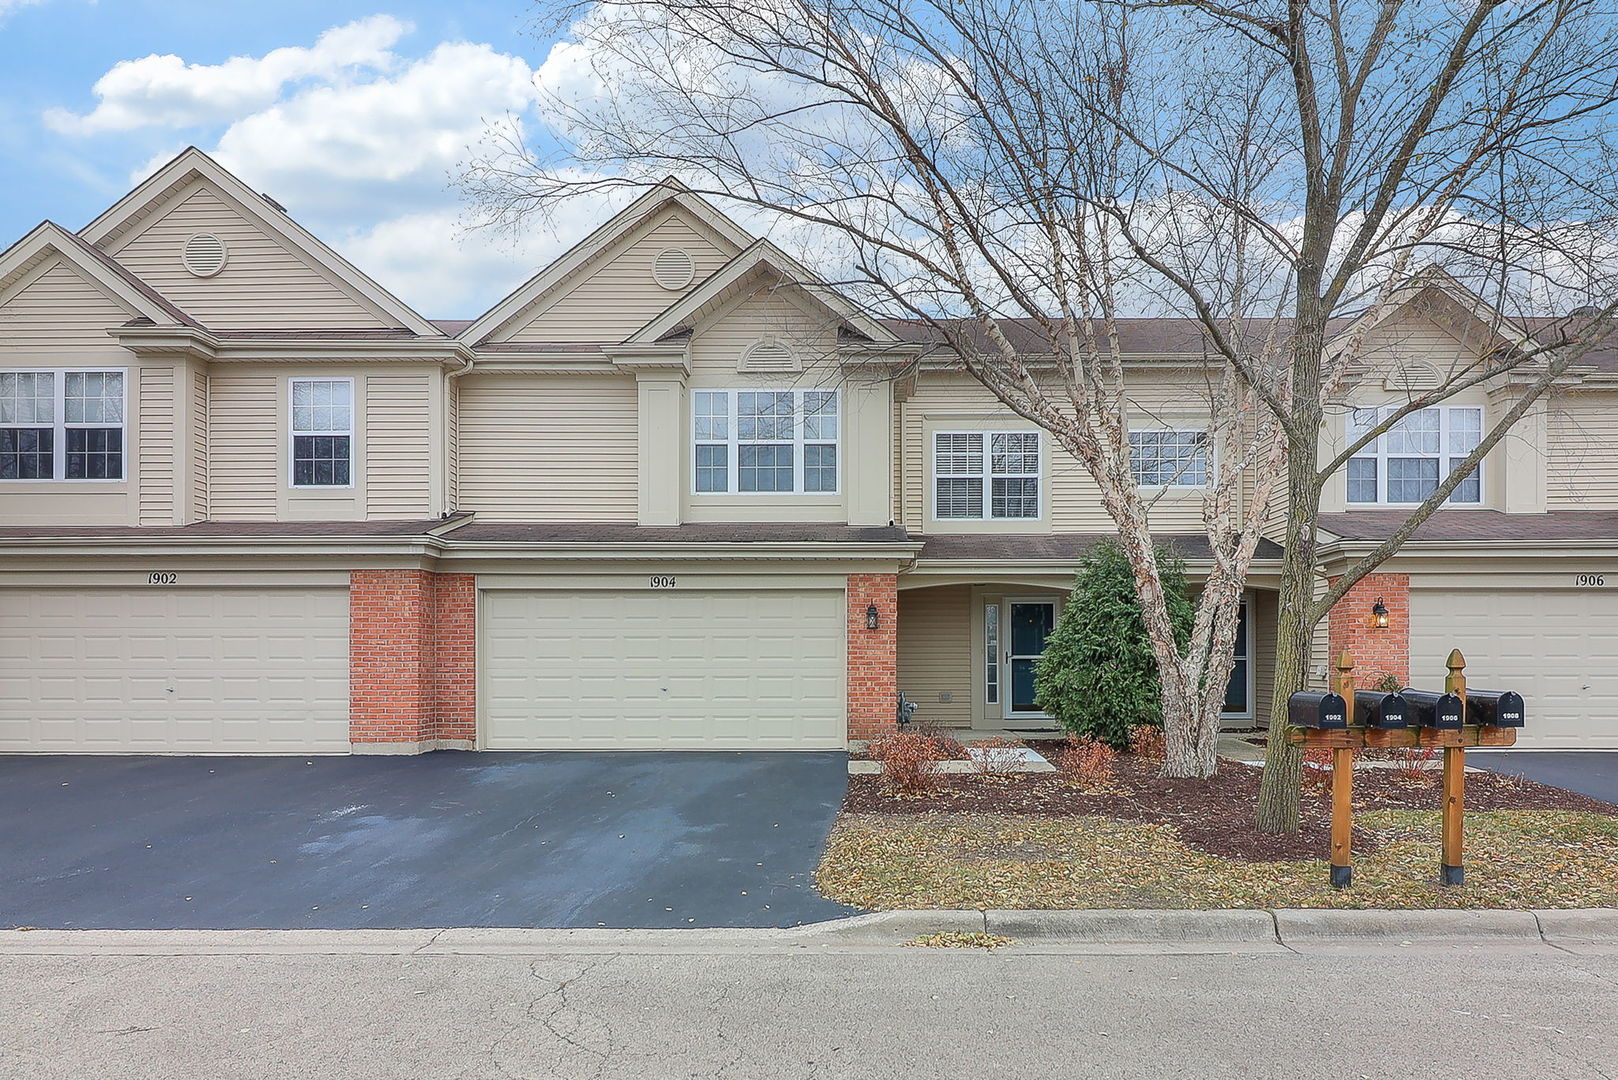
1344	740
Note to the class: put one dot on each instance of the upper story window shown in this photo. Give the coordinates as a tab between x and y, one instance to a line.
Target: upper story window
986	475
61	425
1169	458
765	441
1404	464
322	432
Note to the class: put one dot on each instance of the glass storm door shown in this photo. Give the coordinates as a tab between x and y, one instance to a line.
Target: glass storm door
1028	623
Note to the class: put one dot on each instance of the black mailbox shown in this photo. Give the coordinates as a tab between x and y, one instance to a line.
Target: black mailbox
1386	712
1494	708
1312	709
1430	710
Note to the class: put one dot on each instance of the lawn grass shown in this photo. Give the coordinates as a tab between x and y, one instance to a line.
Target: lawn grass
1514	859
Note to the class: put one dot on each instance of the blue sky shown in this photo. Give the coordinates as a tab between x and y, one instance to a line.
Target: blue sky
350	114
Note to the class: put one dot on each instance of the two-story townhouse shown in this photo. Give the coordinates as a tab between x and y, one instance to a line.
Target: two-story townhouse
673	492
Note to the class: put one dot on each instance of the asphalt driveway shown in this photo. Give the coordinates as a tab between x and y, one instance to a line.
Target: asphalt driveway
444	839
1589	772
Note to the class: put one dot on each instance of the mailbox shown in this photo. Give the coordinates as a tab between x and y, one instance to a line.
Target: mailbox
1494	708
1313	709
1385	712
1430	710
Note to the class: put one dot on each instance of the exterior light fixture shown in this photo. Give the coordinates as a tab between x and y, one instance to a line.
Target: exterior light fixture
873	617
1379	614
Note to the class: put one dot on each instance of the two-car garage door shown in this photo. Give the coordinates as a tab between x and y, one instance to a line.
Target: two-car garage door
155	669
705	669
1558	647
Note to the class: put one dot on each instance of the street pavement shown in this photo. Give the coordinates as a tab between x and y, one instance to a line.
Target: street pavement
736	1008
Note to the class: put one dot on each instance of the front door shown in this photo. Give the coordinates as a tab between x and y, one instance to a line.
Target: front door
1028	624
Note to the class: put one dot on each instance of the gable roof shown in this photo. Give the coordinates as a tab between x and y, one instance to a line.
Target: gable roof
48	239
192	164
760	255
668	192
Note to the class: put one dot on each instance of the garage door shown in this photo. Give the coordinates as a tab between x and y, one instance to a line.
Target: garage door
707	670
1557	647
150	670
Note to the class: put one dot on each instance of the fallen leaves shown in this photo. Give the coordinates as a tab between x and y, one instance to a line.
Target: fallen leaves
956	940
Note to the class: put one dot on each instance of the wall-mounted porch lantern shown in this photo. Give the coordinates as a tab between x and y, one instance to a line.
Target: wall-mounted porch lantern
873	617
1379	614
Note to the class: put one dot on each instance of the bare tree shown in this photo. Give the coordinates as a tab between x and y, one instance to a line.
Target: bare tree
1021	175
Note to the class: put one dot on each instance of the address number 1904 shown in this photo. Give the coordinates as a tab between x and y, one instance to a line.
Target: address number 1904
661	581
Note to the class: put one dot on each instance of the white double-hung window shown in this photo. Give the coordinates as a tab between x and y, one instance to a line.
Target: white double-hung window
1404	464
322	451
1169	458
765	441
986	475
62	425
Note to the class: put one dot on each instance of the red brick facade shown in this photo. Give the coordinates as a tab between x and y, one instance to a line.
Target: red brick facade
411	657
1376	651
873	656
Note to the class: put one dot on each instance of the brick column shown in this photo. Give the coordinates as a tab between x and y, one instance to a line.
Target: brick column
873	656
455	660
411	662
1375	651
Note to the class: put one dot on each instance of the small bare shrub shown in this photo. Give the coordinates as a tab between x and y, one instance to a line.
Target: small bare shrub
998	756
1317	765
1088	761
909	762
1413	764
946	747
1146	741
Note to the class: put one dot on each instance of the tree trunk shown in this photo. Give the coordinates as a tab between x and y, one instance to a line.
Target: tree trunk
1283	763
1190	750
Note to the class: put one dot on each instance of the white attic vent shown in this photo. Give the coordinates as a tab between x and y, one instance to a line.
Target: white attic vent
1413	375
673	269
204	254
768	355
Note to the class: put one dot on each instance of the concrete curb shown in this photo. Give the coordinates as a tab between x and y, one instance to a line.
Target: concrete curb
1135	926
1309	925
1124	930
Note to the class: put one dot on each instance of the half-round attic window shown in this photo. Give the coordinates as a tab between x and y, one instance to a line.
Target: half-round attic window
204	254
673	269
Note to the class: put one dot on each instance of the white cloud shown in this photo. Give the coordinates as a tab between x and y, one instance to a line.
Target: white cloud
165	91
9	6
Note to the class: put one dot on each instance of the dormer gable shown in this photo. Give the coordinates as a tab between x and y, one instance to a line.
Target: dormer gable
59	293
654	251
237	261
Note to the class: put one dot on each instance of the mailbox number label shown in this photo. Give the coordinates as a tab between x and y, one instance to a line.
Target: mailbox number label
661	581
1590	581
162	577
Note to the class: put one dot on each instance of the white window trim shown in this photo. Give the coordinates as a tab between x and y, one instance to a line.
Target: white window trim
987	475
1378	451
732	443
293	433
1207	462
59	424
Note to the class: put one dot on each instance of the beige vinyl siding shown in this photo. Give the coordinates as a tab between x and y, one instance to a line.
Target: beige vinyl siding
199	444
539	448
1582	473
619	297
1400	351
1261	644
398	446
452	442
950	400
245	451
154	470
265	283
811	335
59	309
935	653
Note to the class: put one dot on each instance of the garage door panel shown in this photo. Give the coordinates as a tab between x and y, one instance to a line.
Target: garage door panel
119	670
1557	647
694	669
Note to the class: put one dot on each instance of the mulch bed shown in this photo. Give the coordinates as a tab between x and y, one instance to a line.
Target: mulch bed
1216	815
